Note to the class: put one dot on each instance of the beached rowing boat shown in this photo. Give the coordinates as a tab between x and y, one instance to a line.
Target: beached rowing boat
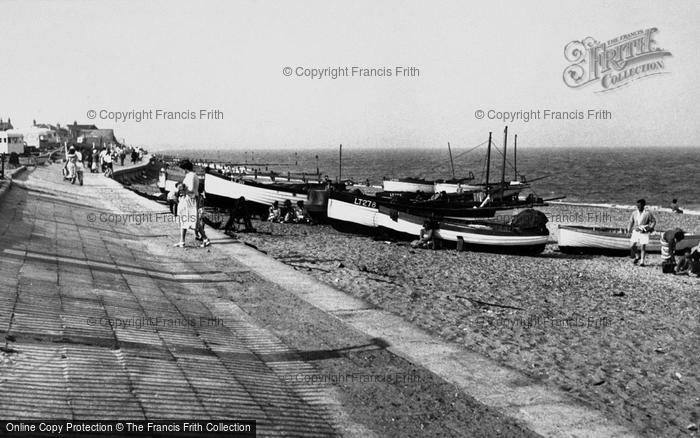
581	239
474	235
220	190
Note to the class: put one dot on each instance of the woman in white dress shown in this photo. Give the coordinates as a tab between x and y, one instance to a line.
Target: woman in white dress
71	159
187	207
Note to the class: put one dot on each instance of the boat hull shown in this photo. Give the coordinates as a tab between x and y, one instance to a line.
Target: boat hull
474	235
357	213
220	190
613	241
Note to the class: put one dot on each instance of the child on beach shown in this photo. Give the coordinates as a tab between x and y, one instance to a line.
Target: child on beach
172	198
275	213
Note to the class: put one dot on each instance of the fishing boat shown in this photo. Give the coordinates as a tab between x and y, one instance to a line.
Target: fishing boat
521	235
359	209
357	212
409	185
578	239
220	190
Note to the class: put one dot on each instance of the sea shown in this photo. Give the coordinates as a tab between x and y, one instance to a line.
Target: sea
600	176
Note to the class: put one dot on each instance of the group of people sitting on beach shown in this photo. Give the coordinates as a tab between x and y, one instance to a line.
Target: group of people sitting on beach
641	225
288	213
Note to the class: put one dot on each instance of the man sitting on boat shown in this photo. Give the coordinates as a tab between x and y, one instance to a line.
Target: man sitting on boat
669	240
642	223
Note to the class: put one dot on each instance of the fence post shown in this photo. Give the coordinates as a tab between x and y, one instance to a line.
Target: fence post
2	170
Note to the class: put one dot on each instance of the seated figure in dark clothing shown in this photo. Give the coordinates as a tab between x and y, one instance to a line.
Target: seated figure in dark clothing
239	212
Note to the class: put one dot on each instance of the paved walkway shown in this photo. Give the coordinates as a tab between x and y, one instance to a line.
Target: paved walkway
96	327
103	319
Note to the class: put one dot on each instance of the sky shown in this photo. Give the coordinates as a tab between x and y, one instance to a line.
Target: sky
62	60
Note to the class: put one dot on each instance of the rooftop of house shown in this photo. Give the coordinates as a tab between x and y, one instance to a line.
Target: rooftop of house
76	127
4	126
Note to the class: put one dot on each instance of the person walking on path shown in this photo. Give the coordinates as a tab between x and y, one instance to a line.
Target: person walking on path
642	223
188	205
95	161
71	160
162	177
79	168
109	169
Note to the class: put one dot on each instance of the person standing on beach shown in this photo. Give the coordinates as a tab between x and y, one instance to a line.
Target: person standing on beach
642	223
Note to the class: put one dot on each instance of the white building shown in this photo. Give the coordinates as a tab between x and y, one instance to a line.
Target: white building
35	135
11	141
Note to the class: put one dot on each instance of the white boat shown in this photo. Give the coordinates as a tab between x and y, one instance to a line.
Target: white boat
411	185
352	211
478	235
219	188
582	239
355	212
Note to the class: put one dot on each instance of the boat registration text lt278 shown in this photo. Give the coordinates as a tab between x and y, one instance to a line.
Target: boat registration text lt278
365	203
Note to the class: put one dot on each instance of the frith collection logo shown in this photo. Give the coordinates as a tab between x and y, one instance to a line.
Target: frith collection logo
614	63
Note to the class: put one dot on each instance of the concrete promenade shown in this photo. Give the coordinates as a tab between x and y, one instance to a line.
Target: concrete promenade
101	318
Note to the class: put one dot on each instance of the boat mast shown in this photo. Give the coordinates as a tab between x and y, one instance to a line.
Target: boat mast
452	164
515	158
505	144
488	164
340	164
503	170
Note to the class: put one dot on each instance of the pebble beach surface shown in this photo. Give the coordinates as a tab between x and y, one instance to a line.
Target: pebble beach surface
619	337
